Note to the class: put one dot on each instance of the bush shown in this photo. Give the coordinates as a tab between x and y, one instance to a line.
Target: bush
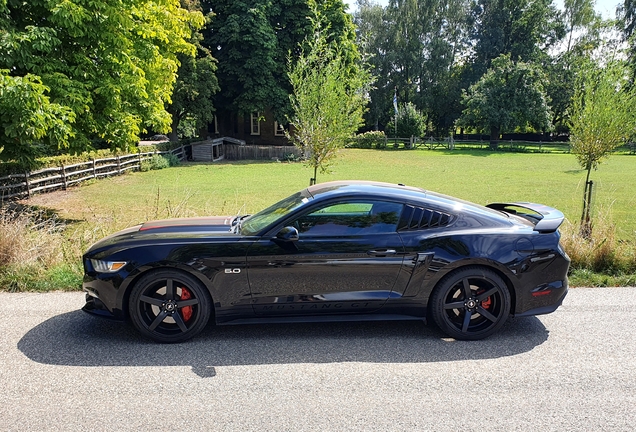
410	122
367	140
172	159
291	157
188	128
157	162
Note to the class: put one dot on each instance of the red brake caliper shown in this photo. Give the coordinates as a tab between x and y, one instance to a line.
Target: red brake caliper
487	302
186	311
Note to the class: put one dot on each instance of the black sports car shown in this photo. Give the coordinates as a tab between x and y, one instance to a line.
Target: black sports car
334	251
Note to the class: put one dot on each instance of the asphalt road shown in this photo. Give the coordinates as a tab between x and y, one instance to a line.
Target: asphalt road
61	369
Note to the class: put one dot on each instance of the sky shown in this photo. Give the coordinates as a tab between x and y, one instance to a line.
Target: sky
607	8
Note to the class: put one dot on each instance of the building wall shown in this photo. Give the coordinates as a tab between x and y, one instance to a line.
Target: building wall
229	124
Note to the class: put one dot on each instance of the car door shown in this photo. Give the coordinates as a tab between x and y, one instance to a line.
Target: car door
341	257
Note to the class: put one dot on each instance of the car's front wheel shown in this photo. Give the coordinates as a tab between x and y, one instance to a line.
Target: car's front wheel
169	306
470	303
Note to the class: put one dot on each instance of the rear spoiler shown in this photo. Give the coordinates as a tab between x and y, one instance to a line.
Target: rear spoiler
545	219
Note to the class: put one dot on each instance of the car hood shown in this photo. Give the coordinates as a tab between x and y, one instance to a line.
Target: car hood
183	229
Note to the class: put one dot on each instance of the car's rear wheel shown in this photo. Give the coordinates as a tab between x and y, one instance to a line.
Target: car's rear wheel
470	303
169	306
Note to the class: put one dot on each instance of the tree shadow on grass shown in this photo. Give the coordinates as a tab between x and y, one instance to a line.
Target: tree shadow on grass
38	215
78	339
468	152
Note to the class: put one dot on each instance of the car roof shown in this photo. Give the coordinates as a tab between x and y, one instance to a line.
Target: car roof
399	192
346	187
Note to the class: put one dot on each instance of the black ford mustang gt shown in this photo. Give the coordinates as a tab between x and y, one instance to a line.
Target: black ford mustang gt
334	251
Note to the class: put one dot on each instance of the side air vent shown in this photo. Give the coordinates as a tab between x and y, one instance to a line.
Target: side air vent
414	218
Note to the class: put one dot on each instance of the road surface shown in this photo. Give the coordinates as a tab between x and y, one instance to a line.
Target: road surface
572	370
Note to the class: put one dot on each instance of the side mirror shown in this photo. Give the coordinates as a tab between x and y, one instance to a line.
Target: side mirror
287	234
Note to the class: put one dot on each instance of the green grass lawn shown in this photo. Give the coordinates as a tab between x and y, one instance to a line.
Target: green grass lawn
480	176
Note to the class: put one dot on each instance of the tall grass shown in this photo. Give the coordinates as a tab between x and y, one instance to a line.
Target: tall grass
29	237
39	251
34	251
601	259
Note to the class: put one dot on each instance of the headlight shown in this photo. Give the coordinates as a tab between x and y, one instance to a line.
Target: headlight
107	266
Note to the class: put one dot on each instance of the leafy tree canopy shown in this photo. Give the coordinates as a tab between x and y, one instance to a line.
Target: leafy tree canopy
627	20
29	120
522	29
510	95
252	39
196	83
416	46
105	69
578	15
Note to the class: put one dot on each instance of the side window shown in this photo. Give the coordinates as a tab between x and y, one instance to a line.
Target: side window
351	218
417	218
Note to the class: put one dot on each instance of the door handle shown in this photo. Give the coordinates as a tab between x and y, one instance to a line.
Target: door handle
382	252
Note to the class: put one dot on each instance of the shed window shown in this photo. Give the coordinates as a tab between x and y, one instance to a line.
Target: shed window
279	129
256	125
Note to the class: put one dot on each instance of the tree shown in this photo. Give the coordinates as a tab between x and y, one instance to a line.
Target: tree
416	46
603	117
510	95
252	41
522	29
373	33
111	64
578	15
328	101
243	41
196	83
627	19
585	34
27	116
193	92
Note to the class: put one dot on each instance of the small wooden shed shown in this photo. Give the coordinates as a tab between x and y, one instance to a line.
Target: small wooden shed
211	150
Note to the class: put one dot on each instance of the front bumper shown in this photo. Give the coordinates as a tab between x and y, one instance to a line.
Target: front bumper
95	306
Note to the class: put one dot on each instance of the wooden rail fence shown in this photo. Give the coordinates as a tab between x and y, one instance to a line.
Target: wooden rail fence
17	186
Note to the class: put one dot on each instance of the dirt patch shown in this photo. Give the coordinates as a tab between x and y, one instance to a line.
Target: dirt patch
64	202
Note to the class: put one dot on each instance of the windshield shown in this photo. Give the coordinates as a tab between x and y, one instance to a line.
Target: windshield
256	223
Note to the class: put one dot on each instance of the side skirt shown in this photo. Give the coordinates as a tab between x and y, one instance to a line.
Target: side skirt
323	318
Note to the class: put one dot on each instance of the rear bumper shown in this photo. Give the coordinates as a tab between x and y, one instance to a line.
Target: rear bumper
543	309
545	298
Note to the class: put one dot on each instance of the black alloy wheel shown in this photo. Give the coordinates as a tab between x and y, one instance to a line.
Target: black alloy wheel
169	306
470	303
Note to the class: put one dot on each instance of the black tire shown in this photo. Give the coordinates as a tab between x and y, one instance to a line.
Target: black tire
169	306
470	304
